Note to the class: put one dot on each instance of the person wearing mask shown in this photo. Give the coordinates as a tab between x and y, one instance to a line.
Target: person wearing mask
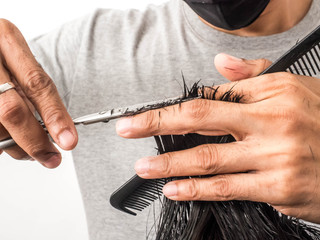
114	58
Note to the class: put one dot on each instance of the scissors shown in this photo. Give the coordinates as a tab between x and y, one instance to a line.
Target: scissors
106	116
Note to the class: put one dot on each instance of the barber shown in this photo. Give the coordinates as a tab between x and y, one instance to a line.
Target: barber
275	158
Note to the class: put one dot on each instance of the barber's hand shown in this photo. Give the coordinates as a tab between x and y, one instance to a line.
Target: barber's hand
276	158
34	91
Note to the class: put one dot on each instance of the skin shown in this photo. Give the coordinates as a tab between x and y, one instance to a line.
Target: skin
276	158
286	12
34	91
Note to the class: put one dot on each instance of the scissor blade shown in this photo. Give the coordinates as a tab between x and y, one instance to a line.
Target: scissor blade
106	116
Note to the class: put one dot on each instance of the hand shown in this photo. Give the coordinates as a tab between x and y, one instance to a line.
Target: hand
34	91
276	158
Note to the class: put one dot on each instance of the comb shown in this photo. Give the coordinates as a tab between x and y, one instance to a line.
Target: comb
302	59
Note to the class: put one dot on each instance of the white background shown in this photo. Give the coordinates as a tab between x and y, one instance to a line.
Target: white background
38	203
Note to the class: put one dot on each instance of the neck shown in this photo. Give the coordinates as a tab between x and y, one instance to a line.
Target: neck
279	16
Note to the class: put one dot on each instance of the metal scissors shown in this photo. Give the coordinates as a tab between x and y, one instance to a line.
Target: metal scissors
106	116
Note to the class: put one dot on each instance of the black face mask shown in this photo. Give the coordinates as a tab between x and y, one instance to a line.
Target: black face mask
228	14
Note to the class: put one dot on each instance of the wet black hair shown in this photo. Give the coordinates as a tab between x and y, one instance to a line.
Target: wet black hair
227	220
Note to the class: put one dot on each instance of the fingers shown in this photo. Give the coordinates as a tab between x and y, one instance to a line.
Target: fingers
225	187
209	117
27	133
241	186
235	69
15	152
258	89
201	116
21	124
39	88
19	121
207	159
273	187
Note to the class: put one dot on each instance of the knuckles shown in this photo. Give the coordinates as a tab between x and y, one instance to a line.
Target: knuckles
294	175
198	110
263	63
12	111
36	151
166	160
295	153
151	121
222	188
38	83
208	157
283	83
219	189
192	190
282	79
52	115
289	99
289	116
286	120
288	189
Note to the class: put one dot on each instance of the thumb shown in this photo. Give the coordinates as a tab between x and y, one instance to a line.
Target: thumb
235	69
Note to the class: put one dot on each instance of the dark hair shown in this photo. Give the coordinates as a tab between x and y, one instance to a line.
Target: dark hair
195	220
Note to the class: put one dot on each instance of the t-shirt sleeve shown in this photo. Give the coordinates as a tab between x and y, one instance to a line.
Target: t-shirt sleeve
58	52
92	50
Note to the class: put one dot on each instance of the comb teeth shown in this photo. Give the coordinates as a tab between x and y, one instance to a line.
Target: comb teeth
302	59
137	194
308	64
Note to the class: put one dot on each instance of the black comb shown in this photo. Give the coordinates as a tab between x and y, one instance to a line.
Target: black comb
302	59
137	194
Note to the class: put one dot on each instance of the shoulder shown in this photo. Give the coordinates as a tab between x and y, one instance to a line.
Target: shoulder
133	19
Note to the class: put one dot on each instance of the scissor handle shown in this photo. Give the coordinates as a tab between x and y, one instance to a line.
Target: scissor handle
7	143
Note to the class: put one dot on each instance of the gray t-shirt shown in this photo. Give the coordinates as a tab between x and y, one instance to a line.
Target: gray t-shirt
115	58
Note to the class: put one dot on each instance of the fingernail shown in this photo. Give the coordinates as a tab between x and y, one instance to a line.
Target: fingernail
170	190
142	166
66	139
123	125
53	161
